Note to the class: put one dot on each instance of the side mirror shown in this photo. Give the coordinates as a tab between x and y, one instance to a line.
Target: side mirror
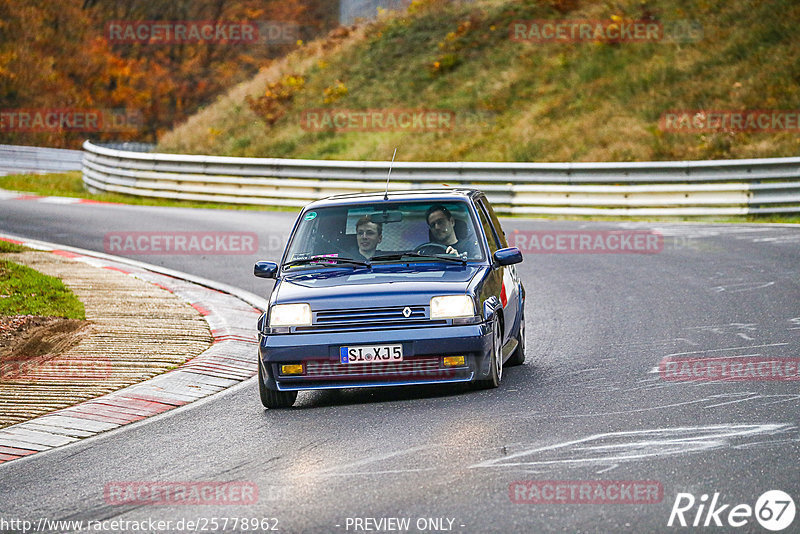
267	269
508	256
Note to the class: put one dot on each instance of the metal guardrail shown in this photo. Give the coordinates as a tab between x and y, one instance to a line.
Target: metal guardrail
16	159
686	188
131	146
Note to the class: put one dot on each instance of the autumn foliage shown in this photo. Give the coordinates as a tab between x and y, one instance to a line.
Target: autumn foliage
272	105
58	55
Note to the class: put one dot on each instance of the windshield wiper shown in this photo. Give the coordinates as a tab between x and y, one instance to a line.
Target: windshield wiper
390	257
325	260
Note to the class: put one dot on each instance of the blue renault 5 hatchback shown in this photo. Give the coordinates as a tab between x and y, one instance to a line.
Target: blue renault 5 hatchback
394	289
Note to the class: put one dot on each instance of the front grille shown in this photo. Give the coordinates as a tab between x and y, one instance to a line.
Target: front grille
354	327
387	315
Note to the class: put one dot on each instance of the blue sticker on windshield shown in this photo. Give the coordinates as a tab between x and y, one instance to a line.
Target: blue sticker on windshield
310	216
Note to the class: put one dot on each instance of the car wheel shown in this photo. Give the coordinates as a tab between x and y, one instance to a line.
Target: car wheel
518	357
271	398
496	371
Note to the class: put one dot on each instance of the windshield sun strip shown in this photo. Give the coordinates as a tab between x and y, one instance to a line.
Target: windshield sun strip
400	257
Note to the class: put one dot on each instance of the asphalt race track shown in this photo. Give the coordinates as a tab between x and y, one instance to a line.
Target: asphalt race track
590	403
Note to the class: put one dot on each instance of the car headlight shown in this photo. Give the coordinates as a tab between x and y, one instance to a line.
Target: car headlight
290	315
452	306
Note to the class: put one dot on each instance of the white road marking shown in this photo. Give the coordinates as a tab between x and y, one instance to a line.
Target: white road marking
341	469
609	468
720	400
755	396
372	473
747	286
758	444
790	398
726	328
747	347
641	444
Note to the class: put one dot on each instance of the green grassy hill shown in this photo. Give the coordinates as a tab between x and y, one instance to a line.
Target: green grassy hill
521	101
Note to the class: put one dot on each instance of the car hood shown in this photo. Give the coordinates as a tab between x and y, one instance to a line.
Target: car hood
364	288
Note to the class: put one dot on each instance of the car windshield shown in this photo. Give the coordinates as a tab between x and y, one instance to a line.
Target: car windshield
384	232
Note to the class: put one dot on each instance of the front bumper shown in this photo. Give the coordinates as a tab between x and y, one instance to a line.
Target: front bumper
423	352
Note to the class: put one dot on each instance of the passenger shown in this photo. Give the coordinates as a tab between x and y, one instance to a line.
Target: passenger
368	234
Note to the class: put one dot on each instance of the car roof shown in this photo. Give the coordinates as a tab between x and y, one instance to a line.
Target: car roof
436	195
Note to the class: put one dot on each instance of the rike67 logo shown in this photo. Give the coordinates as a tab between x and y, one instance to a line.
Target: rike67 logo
774	510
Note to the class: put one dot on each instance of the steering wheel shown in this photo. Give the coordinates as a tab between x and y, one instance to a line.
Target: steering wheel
431	248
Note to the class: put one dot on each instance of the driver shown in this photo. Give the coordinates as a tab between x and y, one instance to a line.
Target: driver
442	226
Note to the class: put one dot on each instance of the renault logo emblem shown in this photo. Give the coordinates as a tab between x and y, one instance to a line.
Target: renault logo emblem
406	312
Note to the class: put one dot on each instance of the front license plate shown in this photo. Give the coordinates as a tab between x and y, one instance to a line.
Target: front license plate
371	353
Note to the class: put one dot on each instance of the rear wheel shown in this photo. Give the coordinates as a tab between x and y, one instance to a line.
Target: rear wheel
496	364
518	357
271	398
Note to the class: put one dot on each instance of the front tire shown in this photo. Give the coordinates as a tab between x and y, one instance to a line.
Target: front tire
271	398
518	358
496	364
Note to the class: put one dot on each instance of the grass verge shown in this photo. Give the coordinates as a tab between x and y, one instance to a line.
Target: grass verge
7	246
25	291
70	184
